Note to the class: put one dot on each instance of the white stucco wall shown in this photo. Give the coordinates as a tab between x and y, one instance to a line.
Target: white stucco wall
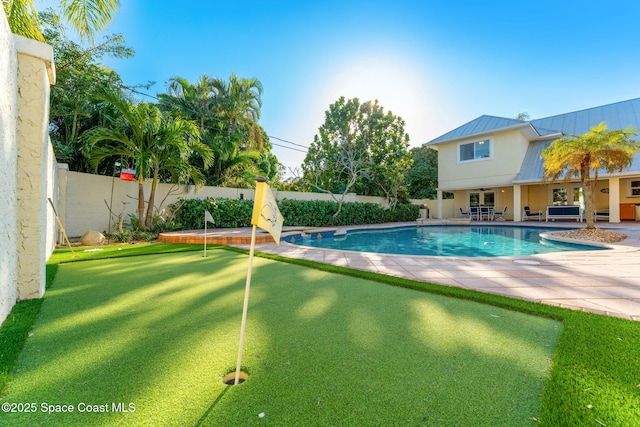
8	171
35	171
83	197
28	170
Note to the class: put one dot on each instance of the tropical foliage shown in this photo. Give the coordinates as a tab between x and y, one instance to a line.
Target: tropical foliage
87	17
422	176
359	148
575	156
79	77
226	113
157	145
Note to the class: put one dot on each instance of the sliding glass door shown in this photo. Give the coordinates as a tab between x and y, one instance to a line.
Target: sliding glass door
482	198
568	195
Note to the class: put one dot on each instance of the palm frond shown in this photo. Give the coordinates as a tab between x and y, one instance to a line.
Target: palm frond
23	18
89	16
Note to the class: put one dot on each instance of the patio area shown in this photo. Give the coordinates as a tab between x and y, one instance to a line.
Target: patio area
604	282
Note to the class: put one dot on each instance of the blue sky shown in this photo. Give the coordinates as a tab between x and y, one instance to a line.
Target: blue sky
436	64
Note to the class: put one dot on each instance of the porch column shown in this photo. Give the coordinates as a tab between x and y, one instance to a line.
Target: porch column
614	200
439	205
517	203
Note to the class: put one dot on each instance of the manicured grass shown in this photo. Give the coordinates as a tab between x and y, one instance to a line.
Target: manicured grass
13	334
160	332
594	380
117	251
15	329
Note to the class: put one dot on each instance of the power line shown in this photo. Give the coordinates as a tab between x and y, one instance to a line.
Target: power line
290	148
288	142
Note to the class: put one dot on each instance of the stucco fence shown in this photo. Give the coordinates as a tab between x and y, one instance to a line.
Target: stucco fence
27	166
86	200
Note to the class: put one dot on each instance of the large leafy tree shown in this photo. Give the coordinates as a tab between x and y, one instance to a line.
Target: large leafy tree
359	147
86	16
422	176
389	152
153	141
575	156
79	76
227	114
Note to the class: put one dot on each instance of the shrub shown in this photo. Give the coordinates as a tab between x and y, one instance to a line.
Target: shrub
130	236
232	213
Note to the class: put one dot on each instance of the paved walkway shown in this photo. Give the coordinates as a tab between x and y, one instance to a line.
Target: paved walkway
605	282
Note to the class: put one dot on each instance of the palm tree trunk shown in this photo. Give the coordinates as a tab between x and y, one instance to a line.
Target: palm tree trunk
152	197
140	202
588	186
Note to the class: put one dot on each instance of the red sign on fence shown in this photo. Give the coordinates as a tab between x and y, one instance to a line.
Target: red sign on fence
128	175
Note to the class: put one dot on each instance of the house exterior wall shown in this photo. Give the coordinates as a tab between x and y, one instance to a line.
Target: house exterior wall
536	197
508	150
624	194
8	171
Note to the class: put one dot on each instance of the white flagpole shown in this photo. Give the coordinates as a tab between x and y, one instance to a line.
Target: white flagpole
205	235
245	307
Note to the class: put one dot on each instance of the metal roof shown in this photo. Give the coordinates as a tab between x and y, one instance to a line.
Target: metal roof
532	168
617	116
478	126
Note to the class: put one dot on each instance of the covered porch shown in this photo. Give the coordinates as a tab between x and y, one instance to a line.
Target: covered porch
615	197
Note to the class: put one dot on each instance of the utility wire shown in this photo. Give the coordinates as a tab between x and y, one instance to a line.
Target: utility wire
290	148
288	142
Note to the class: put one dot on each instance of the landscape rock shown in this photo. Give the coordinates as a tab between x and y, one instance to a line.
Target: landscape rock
92	238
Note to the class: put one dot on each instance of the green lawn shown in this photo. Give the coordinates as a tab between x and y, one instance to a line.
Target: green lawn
155	334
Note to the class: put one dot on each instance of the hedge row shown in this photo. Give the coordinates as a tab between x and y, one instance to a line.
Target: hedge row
232	213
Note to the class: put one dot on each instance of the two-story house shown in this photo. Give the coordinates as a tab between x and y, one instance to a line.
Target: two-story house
496	162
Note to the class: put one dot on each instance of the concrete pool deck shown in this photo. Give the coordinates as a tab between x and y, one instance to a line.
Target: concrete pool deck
604	282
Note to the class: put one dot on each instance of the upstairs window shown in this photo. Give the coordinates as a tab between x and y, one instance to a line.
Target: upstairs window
634	188
474	150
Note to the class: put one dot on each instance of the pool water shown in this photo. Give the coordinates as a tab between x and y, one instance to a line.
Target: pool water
466	241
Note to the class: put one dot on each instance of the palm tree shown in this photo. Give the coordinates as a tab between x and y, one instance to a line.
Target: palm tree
155	142
86	16
599	149
227	114
239	103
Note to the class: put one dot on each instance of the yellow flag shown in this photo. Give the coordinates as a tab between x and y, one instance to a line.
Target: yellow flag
266	214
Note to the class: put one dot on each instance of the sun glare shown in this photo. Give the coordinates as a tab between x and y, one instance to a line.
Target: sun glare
399	85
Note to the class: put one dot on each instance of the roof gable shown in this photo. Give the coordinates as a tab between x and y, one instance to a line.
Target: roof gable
478	126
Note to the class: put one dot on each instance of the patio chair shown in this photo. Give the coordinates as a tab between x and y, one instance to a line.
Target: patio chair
485	212
465	213
528	213
475	213
500	214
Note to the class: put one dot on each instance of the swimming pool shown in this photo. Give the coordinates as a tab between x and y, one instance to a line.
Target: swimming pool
445	240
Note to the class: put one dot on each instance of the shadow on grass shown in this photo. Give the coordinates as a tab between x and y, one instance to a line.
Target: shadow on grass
212	407
160	331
